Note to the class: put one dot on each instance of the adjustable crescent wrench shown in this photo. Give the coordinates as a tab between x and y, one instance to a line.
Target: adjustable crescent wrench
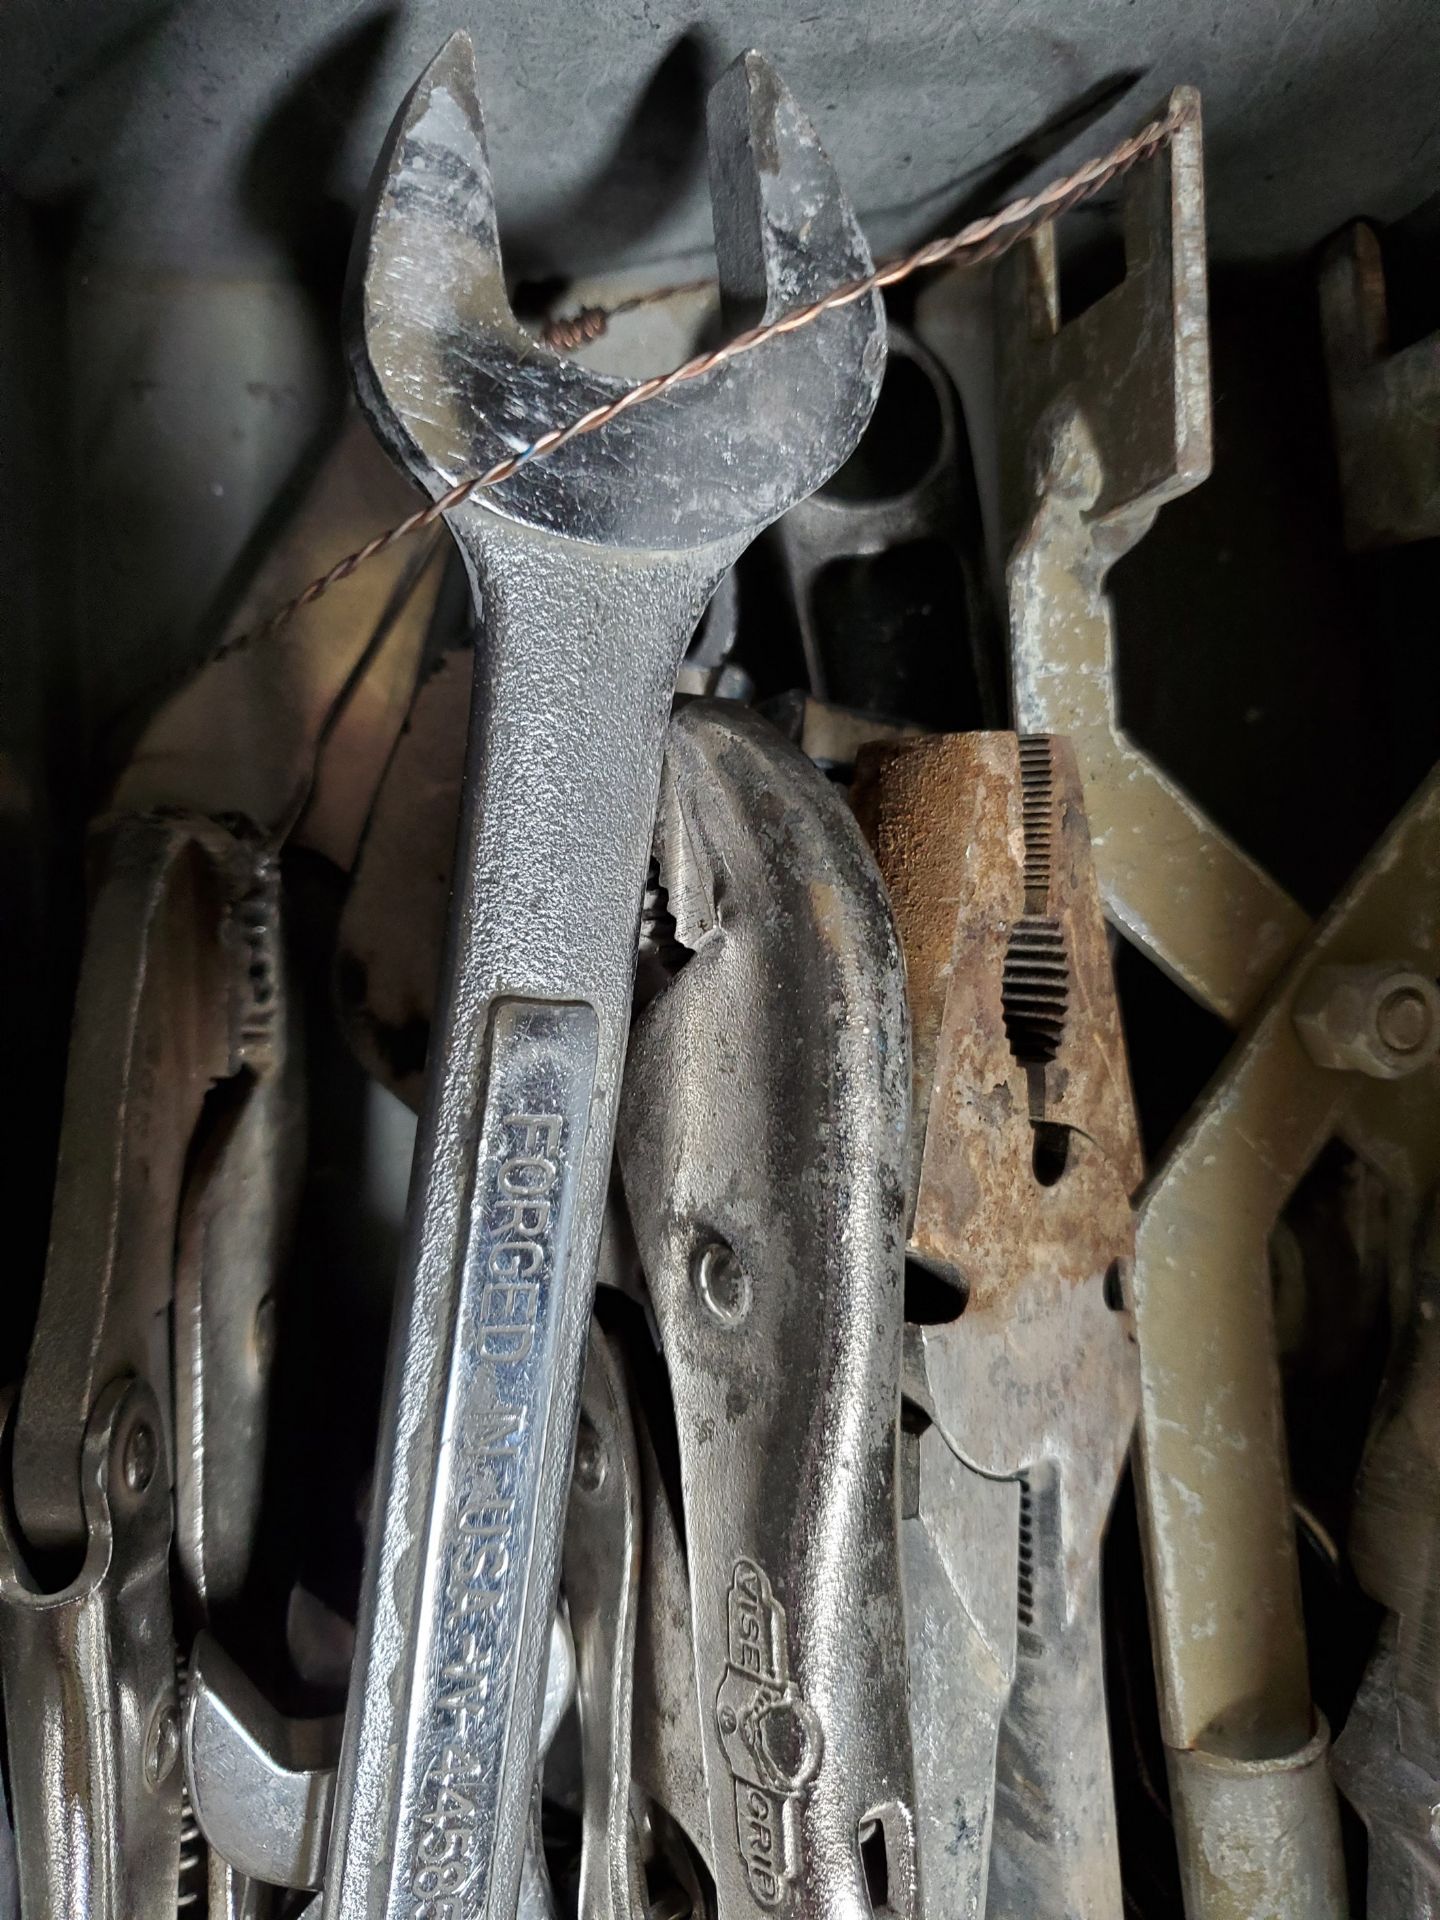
1025	1157
590	571
762	1143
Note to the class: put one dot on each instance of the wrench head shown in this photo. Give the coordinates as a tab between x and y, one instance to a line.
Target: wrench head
452	382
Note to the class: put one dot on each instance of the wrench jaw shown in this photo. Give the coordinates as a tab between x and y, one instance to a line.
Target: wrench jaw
591	570
782	233
452	383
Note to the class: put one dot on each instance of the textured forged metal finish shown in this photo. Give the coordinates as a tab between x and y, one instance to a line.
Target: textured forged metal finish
1213	1482
1387	1760
392	926
1394	1793
762	1145
91	1714
668	1756
602	1572
1385	406
169	1235
584	630
983	844
1103	419
232	1244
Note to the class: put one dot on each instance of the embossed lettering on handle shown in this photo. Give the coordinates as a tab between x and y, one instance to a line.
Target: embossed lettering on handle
500	1394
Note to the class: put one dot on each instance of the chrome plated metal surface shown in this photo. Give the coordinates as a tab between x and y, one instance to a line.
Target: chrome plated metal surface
262	1785
602	1574
92	1717
591	570
762	1143
171	1214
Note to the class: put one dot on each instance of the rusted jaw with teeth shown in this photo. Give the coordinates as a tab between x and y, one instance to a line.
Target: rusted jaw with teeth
453	383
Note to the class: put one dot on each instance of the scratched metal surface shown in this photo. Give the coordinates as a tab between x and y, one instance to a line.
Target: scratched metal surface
786	1405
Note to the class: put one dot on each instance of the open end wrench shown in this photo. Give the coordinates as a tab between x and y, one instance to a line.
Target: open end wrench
591	570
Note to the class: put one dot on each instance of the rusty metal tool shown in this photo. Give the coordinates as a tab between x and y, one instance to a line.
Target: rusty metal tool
591	570
1104	419
1020	1367
181	993
761	1144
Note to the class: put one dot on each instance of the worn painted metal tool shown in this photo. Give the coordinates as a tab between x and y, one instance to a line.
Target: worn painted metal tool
761	1143
1345	1045
1104	419
1021	1373
590	570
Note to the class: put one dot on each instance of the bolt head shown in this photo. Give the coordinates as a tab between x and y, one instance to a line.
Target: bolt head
1403	1019
1383	1021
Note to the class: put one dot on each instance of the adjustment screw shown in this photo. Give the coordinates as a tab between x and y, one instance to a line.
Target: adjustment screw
723	1284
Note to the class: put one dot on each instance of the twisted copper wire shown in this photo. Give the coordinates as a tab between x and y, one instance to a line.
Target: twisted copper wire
982	239
567	331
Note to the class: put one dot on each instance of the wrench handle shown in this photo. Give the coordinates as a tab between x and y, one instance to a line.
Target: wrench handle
488	1553
573	684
